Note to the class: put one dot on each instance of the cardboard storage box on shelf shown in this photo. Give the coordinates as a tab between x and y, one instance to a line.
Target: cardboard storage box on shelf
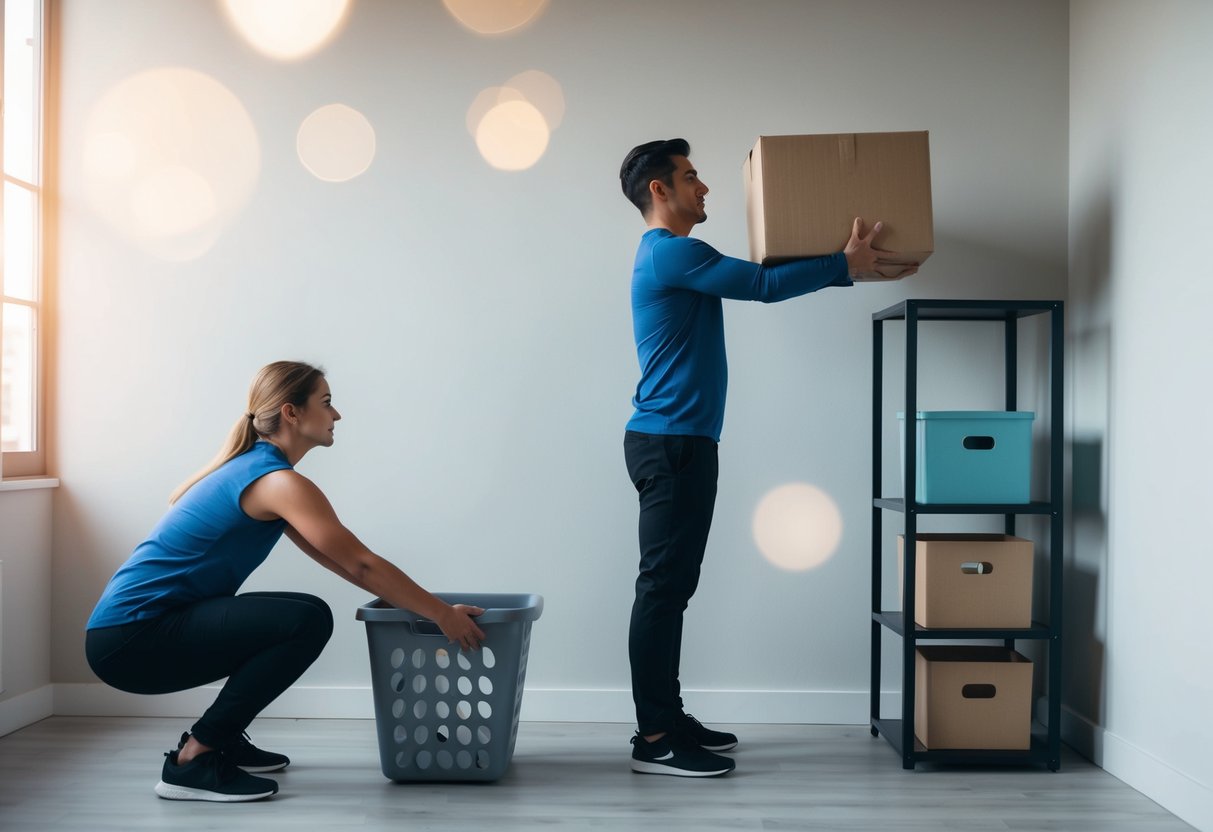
804	192
972	698
970	580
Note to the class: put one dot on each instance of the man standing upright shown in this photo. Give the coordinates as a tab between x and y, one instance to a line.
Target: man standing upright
671	440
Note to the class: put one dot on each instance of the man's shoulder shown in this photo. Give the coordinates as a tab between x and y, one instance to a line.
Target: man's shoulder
673	251
660	237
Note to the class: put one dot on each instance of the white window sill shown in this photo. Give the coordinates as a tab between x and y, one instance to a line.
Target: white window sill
28	483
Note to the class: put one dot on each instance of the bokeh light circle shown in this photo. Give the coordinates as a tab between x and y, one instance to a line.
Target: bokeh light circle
494	17
512	136
286	29
170	155
172	200
486	101
797	527
540	89
336	143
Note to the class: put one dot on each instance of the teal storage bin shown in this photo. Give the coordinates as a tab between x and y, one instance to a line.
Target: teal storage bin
442	713
972	456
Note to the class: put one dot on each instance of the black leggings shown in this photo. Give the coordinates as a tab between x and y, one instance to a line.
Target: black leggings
260	641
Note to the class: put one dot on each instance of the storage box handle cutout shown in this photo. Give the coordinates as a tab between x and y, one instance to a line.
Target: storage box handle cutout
977	568
978	691
978	443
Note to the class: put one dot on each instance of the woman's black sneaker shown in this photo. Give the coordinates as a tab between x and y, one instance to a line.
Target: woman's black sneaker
703	736
210	776
249	757
675	754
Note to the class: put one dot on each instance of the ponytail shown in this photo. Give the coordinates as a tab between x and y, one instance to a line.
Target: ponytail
275	384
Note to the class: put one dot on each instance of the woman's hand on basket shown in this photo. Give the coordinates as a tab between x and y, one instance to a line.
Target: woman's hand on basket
457	625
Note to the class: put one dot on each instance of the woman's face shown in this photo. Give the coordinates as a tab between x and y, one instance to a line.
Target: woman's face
318	416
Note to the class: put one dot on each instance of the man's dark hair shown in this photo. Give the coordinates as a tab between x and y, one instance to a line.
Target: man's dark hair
646	162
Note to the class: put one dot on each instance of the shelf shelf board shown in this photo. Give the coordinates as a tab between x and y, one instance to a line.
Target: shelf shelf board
1037	753
966	310
899	504
893	619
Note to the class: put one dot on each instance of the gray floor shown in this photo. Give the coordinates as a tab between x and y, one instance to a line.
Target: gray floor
97	774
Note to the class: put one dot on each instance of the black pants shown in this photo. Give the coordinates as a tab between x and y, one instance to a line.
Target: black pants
260	641
676	480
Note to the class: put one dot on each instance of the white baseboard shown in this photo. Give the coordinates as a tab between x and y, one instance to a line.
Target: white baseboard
720	706
296	703
26	709
538	704
1178	793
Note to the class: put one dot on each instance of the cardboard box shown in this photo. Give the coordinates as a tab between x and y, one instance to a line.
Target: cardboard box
970	580
972	697
804	192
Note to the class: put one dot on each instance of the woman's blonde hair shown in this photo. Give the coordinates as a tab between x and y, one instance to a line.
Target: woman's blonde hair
274	385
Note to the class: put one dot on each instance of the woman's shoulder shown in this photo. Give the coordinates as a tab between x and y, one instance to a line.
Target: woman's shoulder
261	458
282	492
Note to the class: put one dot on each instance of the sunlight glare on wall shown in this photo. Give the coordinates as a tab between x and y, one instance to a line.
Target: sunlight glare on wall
170	156
494	17
797	527
171	201
336	143
287	29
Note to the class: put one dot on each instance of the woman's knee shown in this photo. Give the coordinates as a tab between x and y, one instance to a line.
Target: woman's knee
309	613
316	620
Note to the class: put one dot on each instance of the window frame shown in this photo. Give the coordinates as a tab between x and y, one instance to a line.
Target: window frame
33	463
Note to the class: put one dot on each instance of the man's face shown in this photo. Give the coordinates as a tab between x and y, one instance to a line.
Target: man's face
687	192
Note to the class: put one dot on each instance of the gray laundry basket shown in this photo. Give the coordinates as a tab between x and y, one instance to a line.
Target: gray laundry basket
444	713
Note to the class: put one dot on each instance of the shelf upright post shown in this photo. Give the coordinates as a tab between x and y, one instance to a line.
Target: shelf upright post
877	536
1011	381
909	427
1011	386
1056	503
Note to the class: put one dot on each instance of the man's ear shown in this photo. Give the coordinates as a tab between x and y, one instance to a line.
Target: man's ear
657	190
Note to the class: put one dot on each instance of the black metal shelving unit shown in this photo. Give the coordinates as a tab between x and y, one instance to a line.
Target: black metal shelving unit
1045	746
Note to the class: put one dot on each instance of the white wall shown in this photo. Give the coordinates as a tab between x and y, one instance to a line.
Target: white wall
25	605
475	323
1140	171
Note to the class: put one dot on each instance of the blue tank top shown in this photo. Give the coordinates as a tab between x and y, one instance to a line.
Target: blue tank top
204	547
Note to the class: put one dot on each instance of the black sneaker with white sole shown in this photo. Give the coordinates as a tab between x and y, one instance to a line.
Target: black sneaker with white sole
703	736
675	754
210	776
249	757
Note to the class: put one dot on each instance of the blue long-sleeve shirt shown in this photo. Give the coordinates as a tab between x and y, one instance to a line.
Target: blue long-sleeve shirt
678	322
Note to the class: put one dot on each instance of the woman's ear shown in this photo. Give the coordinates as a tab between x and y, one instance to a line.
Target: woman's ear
289	413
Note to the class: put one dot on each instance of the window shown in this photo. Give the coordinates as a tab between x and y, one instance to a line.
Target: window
23	314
